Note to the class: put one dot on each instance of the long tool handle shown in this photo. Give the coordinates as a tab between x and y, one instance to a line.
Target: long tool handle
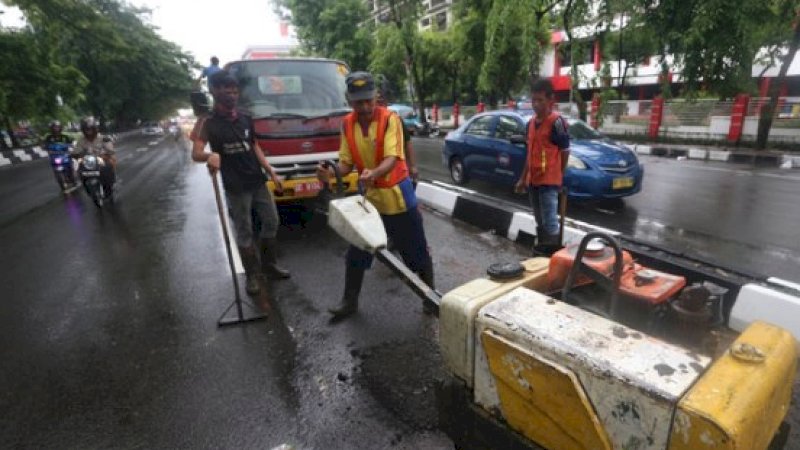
226	236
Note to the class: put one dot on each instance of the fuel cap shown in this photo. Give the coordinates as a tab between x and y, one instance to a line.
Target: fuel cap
505	270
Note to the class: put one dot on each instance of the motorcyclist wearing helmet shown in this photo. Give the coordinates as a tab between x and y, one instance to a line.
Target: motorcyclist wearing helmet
56	136
94	143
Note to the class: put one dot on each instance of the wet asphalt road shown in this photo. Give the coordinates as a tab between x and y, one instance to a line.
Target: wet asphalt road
108	331
741	217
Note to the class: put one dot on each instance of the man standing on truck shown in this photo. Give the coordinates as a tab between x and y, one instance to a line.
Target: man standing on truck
548	154
236	153
372	140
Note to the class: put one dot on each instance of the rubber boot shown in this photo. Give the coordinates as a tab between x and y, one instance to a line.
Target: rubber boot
426	275
549	244
269	260
250	263
539	248
353	277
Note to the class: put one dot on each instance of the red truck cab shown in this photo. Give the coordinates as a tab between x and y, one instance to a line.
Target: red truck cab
297	105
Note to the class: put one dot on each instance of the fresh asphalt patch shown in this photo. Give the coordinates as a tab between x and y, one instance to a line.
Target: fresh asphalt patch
408	394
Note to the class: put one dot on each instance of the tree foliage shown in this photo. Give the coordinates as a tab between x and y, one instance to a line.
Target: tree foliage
336	29
101	57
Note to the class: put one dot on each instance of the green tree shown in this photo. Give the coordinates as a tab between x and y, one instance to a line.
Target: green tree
31	79
510	32
131	71
337	29
469	37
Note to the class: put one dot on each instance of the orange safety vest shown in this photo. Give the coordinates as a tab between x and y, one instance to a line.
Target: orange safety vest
400	171
544	157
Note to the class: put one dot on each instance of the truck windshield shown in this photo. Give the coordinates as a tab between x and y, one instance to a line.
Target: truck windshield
291	89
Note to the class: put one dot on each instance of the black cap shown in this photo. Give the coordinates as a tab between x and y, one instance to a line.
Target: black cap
360	86
222	78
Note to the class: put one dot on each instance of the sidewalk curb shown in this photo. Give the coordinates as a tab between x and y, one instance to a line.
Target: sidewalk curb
758	158
757	297
21	155
26	154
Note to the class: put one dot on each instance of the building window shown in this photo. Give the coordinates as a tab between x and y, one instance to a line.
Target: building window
425	22
371	5
441	20
435	3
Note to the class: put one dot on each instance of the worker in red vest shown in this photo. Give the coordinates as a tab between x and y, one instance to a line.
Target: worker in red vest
372	141
542	176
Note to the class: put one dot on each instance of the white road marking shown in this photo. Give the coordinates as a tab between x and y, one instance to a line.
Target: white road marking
142	149
741	172
152	143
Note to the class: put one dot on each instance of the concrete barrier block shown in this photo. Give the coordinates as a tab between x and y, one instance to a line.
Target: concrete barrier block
644	149
698	153
22	155
437	197
756	302
719	155
521	222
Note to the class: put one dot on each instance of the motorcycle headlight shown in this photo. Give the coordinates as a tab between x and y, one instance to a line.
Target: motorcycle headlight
576	163
90	162
58	160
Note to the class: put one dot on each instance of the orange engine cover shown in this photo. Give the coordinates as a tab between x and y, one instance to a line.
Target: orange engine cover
561	262
650	285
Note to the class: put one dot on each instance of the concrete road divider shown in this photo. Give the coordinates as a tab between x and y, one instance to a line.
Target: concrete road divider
719	155
21	155
698	153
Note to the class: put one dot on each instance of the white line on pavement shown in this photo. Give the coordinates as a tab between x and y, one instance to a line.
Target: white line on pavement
744	172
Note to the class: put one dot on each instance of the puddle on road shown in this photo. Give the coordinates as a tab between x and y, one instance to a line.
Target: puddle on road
401	376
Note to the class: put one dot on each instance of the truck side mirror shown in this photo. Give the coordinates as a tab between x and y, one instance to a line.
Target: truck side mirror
200	103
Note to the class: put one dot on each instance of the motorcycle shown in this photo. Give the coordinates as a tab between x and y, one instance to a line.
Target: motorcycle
97	178
61	162
427	128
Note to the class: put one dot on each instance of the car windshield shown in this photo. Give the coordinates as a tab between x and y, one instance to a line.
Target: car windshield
291	88
579	129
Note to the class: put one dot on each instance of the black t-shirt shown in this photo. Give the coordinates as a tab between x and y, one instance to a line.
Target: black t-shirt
233	140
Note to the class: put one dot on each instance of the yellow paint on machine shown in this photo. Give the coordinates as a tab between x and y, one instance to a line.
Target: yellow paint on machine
541	399
740	401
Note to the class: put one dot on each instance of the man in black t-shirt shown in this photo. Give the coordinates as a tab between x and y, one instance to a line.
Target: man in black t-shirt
237	155
56	136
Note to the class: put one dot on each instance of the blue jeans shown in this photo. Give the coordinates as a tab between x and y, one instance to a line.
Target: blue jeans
544	201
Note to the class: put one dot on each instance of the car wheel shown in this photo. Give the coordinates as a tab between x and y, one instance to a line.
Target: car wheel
457	172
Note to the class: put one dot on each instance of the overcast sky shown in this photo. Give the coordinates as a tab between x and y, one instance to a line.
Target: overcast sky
224	28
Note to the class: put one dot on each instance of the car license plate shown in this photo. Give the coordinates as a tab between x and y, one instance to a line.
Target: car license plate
622	183
90	173
309	188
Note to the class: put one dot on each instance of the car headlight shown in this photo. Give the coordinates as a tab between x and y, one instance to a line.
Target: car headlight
576	163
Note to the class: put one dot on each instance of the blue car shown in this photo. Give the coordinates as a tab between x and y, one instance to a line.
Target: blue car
491	146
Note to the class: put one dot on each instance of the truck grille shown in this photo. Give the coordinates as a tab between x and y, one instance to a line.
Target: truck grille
296	170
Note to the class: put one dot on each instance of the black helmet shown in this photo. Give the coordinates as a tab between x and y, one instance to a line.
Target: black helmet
88	123
55	124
